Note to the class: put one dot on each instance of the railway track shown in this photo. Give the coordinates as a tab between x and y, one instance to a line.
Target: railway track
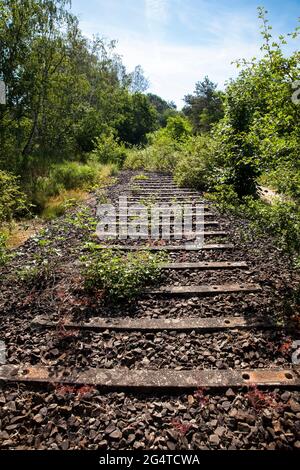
130	352
116	379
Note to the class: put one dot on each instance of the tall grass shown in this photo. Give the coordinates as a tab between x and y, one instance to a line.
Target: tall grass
69	181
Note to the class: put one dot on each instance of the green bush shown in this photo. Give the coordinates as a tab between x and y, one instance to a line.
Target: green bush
108	149
121	276
196	167
136	159
225	197
164	147
161	156
192	161
3	250
63	177
285	179
281	220
260	130
73	175
178	128
12	200
70	176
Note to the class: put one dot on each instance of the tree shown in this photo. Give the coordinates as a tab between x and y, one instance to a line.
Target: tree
260	130
138	83
138	118
178	128
64	90
164	108
35	53
205	106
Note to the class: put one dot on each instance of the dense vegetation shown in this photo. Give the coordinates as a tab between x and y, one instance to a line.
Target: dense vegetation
231	143
74	116
68	98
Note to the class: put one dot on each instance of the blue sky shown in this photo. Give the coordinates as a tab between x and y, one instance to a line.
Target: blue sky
178	42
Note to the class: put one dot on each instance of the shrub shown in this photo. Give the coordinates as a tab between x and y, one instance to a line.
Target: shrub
285	179
136	159
281	219
56	206
63	177
235	154
3	250
68	181
12	200
108	149
121	276
164	147
161	155
178	128
191	161
73	175
196	167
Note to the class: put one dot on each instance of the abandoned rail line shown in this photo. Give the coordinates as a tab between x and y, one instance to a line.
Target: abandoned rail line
172	318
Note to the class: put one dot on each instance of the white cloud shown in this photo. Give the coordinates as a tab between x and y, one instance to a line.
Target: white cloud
173	68
156	11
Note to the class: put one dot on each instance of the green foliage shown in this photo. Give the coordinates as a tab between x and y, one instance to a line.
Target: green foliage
120	276
165	144
163	108
260	129
240	166
196	166
285	179
225	197
256	141
178	128
174	150
57	207
205	106
3	250
108	149
65	177
136	159
83	219
138	118
36	275
12	200
72	175
64	94
281	219
138	83
161	156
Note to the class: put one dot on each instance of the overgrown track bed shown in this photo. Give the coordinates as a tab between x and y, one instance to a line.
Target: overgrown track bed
68	351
